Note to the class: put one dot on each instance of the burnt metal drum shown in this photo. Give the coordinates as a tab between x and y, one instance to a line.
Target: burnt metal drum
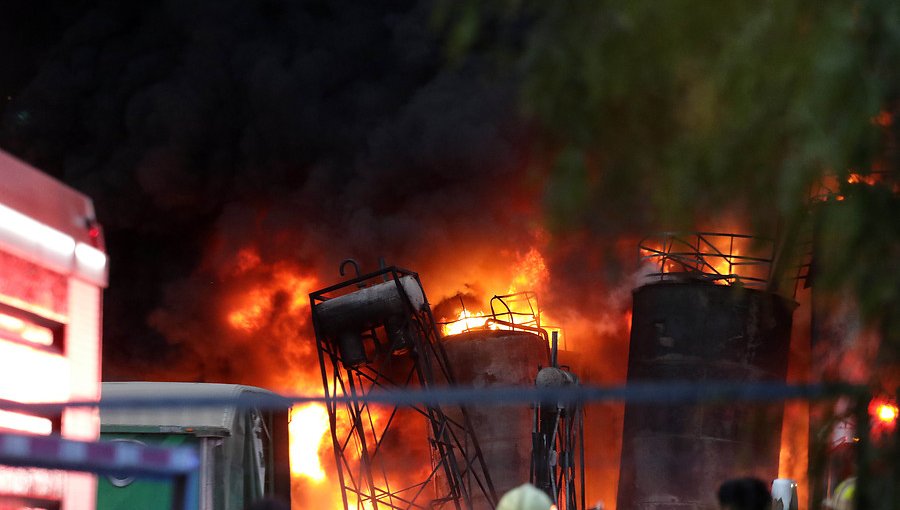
675	456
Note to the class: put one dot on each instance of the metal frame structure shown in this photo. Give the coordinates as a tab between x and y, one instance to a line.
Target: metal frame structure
399	352
709	256
557	451
557	454
558	458
516	311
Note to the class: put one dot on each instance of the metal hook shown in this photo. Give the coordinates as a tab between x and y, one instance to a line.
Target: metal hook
355	266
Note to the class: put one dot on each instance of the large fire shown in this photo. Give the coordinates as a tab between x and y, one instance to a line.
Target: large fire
286	286
255	305
308	423
529	273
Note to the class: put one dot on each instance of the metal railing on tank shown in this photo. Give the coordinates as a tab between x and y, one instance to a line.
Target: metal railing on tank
722	258
515	311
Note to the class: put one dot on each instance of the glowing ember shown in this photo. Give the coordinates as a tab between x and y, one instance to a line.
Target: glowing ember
886	413
308	428
883	119
870	179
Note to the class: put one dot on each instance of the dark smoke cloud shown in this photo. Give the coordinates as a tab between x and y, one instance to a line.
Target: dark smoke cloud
311	130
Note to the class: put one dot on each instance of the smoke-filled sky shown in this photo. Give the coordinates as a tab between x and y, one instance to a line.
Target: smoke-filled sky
238	150
301	132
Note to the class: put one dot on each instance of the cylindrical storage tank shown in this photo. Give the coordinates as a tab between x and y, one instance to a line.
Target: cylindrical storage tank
344	318
676	456
370	305
484	359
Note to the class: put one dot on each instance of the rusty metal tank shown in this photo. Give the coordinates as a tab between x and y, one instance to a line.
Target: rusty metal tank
484	359
675	456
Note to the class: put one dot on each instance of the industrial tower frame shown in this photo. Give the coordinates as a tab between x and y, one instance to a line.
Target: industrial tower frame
353	355
557	455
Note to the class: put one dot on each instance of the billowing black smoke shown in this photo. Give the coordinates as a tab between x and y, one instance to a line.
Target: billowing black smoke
312	130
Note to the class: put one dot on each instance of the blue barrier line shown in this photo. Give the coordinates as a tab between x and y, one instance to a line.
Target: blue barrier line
648	393
109	458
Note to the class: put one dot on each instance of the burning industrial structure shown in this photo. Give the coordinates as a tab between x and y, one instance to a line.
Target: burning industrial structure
377	332
706	317
263	143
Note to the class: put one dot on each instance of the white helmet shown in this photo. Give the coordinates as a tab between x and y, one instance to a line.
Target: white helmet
525	497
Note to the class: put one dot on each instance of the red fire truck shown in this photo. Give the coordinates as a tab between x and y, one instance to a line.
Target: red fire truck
53	269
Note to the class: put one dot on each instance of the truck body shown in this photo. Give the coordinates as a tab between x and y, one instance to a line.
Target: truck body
244	451
53	269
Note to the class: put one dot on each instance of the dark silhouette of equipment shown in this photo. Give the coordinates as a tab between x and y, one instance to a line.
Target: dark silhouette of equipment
376	332
557	460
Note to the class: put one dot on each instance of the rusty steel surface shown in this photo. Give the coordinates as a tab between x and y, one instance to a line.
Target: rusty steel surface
675	456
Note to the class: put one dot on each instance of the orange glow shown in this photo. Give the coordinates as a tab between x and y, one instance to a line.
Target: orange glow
884	415
529	273
256	306
251	316
723	265
887	413
883	119
274	292
308	428
247	259
466	321
870	179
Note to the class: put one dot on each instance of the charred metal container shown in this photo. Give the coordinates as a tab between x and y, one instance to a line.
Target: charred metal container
484	359
676	456
346	317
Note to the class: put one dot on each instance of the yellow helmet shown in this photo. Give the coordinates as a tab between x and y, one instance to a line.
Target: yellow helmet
844	494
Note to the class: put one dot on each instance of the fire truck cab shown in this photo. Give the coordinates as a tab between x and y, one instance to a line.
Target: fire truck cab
53	269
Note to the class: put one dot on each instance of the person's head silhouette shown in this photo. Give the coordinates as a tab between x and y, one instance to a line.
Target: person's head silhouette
744	494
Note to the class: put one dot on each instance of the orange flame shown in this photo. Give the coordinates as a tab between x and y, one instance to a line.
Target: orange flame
529	273
308	426
467	321
870	179
257	305
277	291
283	288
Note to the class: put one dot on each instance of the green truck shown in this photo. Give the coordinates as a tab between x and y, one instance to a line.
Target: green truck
243	450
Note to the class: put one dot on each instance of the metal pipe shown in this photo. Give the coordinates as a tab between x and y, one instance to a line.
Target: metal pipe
554	348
